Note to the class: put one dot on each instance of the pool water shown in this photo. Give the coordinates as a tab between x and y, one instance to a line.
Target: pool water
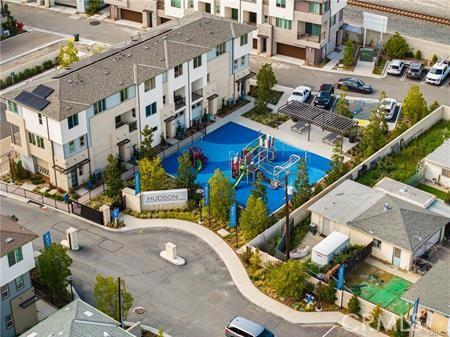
217	146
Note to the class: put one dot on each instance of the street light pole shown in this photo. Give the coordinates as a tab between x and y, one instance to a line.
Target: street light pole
287	233
200	192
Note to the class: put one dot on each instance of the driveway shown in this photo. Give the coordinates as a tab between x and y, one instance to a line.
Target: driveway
194	301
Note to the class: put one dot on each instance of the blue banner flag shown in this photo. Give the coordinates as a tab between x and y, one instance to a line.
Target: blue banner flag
47	237
115	213
233	215
415	310
137	183
206	195
340	284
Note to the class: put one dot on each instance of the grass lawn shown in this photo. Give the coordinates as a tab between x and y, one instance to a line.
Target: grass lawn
276	94
401	166
268	118
438	193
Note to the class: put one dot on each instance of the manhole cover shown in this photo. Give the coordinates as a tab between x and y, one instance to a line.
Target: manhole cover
94	23
139	310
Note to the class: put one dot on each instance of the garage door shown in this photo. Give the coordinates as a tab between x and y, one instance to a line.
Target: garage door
71	3
287	50
126	14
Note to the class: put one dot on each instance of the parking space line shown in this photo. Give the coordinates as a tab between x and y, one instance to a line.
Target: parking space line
423	81
332	328
446	83
404	75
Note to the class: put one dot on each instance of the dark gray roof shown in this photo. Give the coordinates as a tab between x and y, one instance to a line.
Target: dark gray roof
77	319
104	74
13	235
433	289
399	222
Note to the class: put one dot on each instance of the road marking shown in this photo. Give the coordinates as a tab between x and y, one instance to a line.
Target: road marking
404	76
446	83
332	328
423	81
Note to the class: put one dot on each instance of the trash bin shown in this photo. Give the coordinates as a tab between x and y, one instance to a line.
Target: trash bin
76	37
366	54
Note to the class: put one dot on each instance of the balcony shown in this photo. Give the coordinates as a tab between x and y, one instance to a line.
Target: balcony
308	37
197	95
180	102
132	126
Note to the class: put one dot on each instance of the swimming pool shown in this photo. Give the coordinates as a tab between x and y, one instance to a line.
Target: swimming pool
217	146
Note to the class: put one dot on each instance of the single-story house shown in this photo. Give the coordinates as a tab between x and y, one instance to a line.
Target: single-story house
437	165
433	293
399	230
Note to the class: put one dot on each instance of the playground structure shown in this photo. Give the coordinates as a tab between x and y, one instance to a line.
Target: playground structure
257	157
197	157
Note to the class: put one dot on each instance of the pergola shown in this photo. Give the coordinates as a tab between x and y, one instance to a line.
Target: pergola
322	118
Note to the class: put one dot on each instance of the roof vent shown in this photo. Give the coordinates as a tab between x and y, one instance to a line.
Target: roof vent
403	189
188	39
68	108
114	59
161	59
146	47
105	334
386	207
106	72
121	83
371	231
179	33
208	20
164	37
9	239
88	313
33	334
70	81
128	55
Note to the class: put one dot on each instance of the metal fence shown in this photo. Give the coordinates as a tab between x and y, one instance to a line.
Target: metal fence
87	212
35	197
163	153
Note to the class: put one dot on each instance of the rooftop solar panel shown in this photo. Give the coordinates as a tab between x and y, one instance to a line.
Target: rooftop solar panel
42	91
32	100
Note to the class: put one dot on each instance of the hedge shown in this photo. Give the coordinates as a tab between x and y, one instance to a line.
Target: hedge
26	74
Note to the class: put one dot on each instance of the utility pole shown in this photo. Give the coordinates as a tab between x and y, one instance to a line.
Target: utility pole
120	301
287	234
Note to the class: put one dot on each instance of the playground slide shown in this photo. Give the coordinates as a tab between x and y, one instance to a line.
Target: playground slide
238	180
199	165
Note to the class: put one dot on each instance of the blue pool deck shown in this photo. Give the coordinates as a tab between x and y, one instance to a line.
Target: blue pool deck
217	146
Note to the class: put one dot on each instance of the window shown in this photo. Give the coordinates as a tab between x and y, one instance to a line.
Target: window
9	321
72	121
71	146
314	8
175	3
164	99
178	70
242	61
446	173
31	138
281	3
312	29
283	23
40	142
236	64
244	39
100	106
12	106
19	282
234	14
15	256
333	20
207	77
5	291
80	170
197	61
150	109
40	118
376	243
123	95
149	84
155	129
208	8
220	49
82	141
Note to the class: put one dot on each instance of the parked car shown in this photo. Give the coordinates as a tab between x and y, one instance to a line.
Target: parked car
438	72
300	94
389	105
354	84
325	96
242	327
415	70
395	67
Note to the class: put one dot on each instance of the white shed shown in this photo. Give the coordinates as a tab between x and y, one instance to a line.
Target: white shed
332	245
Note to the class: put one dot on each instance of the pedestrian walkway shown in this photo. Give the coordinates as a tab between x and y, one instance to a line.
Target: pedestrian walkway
242	281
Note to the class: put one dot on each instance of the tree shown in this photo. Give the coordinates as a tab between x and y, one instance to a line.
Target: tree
186	174
343	106
303	190
376	322
349	53
418	54
337	167
396	46
106	291
401	328
265	81
253	219
354	306
289	279
221	195
53	268
326	293
259	189
433	106
67	55
93	6
434	59
153	175
414	105
146	144
113	178
160	332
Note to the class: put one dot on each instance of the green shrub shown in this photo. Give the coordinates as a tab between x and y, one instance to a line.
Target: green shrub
354	306
349	54
396	46
376	322
326	293
401	328
93	7
434	59
26	74
289	279
418	55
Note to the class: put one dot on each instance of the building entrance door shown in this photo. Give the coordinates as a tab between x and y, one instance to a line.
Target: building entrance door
74	178
396	256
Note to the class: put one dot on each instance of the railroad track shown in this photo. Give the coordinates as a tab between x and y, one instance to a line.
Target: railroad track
401	12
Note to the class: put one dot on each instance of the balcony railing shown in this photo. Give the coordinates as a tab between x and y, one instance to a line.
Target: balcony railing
132	126
308	37
197	94
180	102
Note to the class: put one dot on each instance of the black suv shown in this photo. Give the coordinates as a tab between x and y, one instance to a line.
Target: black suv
415	70
325	96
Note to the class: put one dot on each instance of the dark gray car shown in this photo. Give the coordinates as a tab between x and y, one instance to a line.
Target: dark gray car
415	70
242	327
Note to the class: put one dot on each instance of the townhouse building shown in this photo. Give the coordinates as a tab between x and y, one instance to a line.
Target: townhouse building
18	307
303	29
65	126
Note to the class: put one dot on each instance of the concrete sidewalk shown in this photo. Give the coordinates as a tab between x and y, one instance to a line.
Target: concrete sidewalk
242	281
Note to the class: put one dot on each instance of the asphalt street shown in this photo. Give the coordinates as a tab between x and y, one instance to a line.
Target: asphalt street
291	75
196	300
